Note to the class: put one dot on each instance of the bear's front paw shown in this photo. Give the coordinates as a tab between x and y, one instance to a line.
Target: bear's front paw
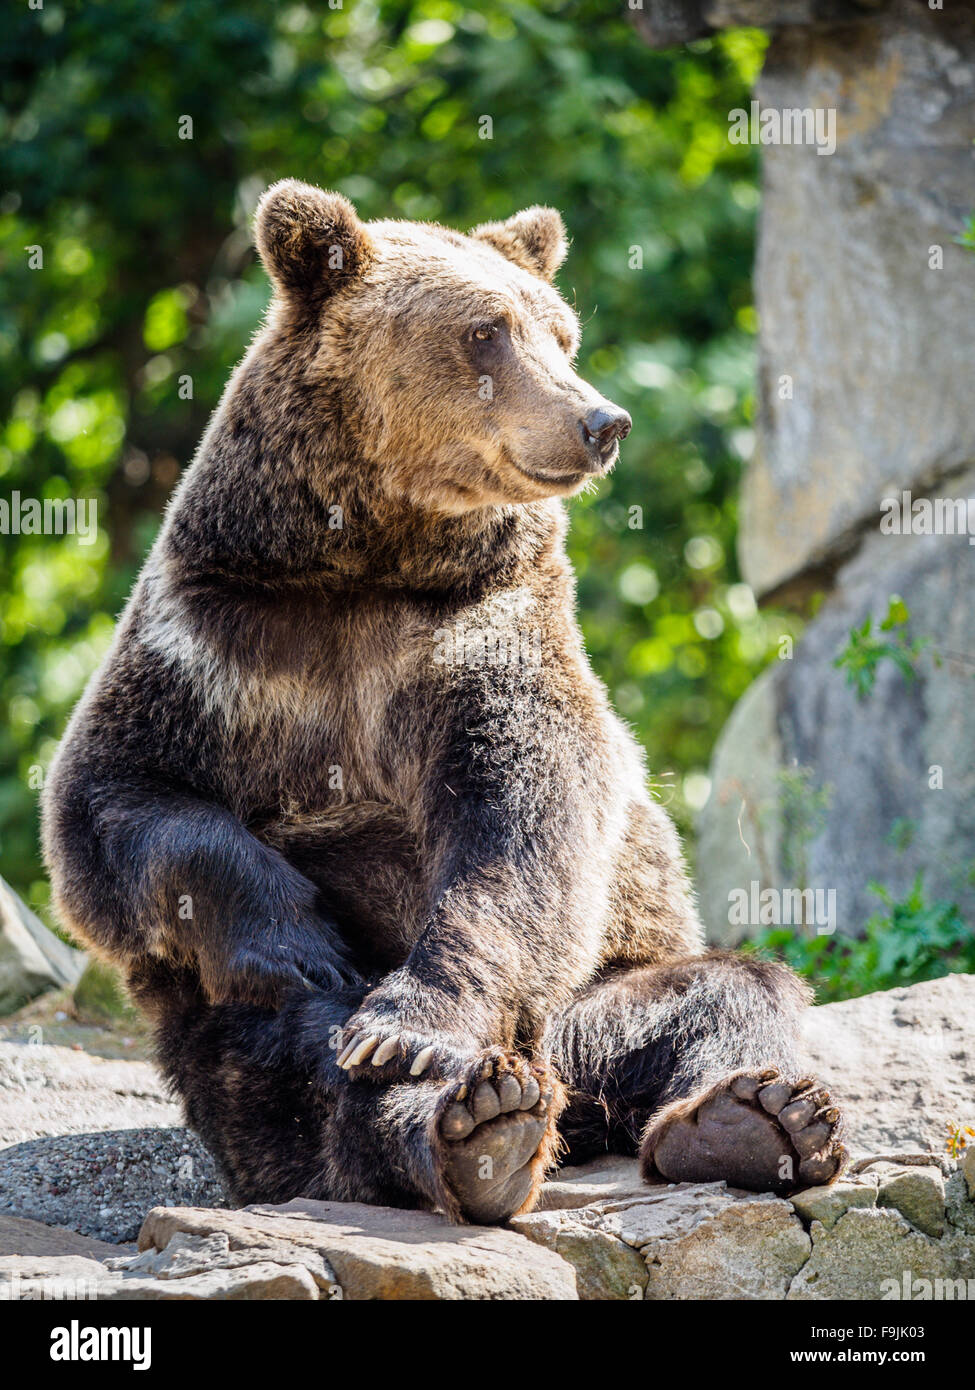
373	1050
266	973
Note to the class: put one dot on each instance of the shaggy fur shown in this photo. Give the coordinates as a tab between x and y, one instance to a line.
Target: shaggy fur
315	818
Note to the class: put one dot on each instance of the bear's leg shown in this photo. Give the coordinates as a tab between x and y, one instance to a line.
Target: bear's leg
695	1065
265	1093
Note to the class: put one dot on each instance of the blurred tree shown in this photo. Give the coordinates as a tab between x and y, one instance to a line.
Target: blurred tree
137	140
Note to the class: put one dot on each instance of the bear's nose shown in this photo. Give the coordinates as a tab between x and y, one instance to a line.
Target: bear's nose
604	425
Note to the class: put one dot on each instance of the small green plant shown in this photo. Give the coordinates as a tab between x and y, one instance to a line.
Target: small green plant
904	942
802	808
958	1137
901	833
867	648
967	237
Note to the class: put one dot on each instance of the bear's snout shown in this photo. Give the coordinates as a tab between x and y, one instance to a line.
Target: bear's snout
602	429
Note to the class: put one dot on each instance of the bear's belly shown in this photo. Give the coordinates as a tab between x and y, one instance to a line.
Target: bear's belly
364	859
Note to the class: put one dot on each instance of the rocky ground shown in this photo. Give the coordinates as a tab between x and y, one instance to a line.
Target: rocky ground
93	1161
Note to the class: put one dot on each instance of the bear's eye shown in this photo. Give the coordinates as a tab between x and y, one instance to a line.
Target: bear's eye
485	332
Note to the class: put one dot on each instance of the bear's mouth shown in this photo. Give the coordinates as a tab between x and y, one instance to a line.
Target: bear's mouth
594	467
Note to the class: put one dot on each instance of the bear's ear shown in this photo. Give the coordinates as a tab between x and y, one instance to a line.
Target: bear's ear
311	242
534	239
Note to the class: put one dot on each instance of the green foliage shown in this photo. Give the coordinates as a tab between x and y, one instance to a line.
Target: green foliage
149	283
100	996
803	809
901	833
866	649
905	941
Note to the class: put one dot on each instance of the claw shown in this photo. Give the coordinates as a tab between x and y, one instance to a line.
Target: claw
347	1050
361	1052
422	1061
385	1051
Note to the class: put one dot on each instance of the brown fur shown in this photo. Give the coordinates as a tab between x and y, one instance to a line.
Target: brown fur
277	807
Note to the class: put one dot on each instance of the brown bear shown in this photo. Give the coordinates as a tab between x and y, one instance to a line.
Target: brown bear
348	805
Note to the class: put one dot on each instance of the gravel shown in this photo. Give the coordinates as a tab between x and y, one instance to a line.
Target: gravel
103	1184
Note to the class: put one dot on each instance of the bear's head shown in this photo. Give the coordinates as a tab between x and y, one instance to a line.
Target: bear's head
451	356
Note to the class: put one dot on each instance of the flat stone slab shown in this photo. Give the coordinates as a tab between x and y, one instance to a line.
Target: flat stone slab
50	1277
380	1252
706	1241
604	1179
23	1238
56	1090
684	1240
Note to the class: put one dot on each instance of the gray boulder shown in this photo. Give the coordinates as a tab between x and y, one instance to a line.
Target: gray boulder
876	341
32	958
900	1063
812	786
865	299
380	1252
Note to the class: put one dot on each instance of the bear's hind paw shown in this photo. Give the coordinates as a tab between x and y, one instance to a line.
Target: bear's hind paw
495	1136
755	1130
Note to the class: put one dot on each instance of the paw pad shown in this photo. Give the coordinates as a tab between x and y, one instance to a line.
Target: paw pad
496	1130
756	1130
497	1085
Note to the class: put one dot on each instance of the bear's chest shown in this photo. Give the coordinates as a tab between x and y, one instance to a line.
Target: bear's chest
332	716
356	704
